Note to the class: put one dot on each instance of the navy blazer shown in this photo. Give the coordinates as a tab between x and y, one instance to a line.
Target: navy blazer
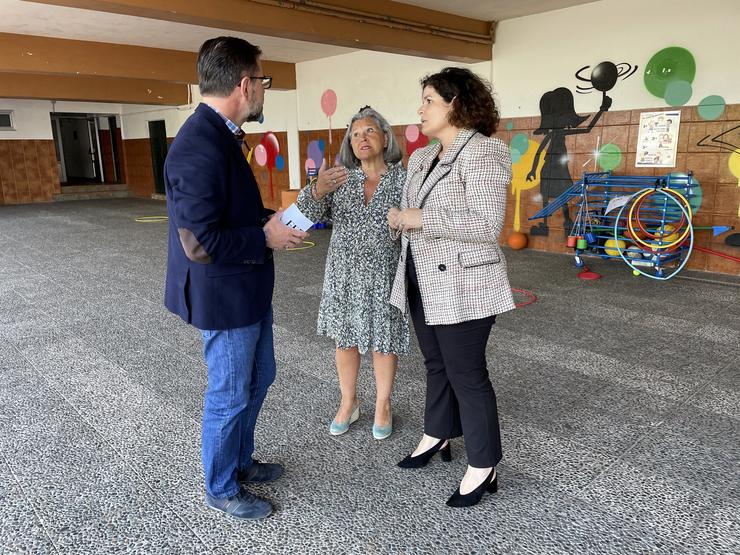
212	192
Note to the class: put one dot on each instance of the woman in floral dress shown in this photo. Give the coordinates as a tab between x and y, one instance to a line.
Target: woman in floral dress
361	262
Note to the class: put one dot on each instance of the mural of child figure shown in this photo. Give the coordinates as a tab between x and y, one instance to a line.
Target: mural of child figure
558	119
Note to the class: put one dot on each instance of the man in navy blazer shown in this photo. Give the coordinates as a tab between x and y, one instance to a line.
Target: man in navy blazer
220	272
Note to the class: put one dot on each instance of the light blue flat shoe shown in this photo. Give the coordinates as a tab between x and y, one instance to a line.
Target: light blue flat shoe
339	428
382	432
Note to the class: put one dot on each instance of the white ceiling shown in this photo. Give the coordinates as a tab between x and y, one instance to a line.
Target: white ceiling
495	10
29	18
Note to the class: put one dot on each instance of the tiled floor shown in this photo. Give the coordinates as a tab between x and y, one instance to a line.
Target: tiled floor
619	405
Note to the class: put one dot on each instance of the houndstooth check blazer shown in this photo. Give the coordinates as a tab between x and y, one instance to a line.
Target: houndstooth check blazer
460	266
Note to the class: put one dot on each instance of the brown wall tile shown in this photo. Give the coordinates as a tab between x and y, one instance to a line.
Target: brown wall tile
702	131
726	200
705	166
616	118
25	171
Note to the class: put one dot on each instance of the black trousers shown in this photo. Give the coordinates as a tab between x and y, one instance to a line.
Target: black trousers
460	398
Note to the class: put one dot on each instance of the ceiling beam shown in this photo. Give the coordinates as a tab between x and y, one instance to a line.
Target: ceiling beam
92	89
53	56
383	26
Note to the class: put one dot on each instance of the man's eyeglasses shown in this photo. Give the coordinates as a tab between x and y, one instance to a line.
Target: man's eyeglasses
266	80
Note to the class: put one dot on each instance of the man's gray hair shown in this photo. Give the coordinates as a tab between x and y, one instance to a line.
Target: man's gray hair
391	152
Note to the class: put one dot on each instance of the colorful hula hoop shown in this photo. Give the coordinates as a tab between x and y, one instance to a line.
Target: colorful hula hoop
638	206
685	216
689	230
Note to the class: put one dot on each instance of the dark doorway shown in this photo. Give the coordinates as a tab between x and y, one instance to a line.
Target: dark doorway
78	150
158	142
113	126
86	148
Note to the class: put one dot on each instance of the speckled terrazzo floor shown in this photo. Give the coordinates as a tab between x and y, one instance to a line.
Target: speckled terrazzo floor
619	404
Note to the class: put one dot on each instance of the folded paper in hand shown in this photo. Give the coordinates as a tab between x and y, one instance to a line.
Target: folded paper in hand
294	218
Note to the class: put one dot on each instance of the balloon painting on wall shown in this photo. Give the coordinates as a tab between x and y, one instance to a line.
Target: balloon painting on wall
414	138
267	153
329	106
315	155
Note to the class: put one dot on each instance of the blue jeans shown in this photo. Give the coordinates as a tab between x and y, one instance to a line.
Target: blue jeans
241	367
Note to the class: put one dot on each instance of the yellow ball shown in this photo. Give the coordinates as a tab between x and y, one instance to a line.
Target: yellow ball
667	235
610	244
635	273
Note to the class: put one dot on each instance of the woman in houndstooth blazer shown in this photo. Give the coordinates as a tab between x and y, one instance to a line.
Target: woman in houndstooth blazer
452	272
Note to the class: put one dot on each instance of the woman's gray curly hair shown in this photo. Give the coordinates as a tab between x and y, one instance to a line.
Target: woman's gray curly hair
391	152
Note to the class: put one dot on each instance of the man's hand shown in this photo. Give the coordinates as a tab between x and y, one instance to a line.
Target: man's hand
280	236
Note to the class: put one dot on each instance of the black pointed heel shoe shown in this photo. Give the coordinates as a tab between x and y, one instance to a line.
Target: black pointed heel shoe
489	485
445	453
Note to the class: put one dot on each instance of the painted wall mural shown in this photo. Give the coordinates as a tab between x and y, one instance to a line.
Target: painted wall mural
558	119
669	74
551	152
604	76
547	162
329	107
414	138
523	152
267	154
314	155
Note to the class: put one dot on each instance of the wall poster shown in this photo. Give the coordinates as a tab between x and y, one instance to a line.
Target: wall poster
658	139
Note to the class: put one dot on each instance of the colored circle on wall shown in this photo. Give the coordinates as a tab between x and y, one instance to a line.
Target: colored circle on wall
510	126
670	64
260	154
279	162
421	141
678	93
711	107
693	194
733	163
412	133
520	142
610	156
515	155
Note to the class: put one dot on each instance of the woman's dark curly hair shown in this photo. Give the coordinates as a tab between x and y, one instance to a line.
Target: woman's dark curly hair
474	107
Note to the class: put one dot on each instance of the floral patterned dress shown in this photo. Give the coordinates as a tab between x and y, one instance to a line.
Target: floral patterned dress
360	264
